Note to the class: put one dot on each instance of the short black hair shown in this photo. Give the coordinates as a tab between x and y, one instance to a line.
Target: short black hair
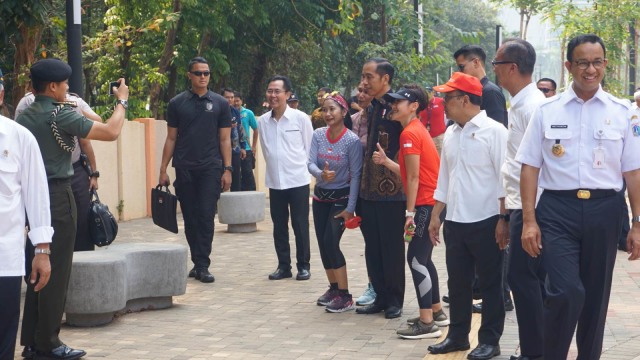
384	67
226	89
549	80
238	94
581	39
197	60
325	89
285	81
522	53
419	93
469	50
38	86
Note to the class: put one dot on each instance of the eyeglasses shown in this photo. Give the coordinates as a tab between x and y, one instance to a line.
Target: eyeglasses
545	90
461	66
447	97
584	65
498	62
274	91
200	73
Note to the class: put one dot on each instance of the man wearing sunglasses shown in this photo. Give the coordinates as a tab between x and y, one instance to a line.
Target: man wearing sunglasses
470	60
199	141
547	86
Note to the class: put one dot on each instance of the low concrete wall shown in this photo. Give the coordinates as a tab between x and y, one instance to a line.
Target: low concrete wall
129	168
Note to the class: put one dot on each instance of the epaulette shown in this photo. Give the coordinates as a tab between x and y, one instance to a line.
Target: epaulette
623	102
66	103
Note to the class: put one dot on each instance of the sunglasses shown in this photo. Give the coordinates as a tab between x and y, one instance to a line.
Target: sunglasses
545	90
200	73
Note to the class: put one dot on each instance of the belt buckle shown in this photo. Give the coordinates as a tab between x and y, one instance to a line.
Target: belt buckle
584	194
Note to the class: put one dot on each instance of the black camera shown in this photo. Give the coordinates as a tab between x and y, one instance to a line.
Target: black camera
112	85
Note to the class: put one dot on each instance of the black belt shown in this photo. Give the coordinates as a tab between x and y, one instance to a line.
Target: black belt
584	194
53	182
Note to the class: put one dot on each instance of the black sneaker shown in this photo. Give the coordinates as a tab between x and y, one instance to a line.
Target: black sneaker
326	298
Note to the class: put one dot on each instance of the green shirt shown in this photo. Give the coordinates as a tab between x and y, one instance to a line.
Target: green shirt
36	118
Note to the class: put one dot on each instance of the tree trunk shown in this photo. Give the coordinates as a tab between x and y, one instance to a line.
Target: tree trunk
526	26
164	63
24	56
204	42
256	92
522	11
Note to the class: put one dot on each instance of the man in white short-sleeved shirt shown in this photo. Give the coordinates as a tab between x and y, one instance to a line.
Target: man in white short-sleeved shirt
577	148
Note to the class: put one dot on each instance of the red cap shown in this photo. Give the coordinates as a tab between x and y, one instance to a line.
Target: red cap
463	82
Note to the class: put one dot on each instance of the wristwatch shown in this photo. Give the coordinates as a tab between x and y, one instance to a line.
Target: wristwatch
124	103
230	168
635	219
42	251
505	217
95	174
408	213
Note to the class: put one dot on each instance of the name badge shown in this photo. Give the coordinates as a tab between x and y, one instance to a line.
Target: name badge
598	158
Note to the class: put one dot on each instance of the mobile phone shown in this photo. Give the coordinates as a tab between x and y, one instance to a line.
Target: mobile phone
112	85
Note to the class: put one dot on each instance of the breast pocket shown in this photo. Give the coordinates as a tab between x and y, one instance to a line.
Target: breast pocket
8	174
477	153
293	138
558	144
611	141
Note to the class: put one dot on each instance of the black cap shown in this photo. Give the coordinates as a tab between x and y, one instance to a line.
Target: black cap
292	98
53	70
402	94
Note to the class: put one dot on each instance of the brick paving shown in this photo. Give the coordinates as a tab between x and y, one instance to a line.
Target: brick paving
243	315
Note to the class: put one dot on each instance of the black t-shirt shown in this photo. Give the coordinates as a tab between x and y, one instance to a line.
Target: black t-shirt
493	101
198	120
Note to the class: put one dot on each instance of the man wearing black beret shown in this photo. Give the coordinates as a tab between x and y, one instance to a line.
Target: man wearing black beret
54	124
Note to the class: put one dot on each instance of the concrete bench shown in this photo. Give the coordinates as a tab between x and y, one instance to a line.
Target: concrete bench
241	210
124	278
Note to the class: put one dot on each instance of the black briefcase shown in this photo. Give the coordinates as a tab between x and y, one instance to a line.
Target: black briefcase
163	208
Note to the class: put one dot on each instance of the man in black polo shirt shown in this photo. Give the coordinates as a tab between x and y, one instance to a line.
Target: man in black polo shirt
198	139
470	60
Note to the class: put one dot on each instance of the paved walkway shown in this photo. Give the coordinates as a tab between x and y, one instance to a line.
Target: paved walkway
243	315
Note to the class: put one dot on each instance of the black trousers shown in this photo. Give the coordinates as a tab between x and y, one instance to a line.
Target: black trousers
579	239
236	174
280	202
526	276
472	246
383	228
10	315
423	270
622	240
329	231
198	192
80	188
43	310
248	181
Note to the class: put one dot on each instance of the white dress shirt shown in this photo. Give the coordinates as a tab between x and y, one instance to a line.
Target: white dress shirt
285	143
23	186
523	105
470	180
601	125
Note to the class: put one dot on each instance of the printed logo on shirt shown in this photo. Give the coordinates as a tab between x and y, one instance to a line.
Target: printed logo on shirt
408	144
209	106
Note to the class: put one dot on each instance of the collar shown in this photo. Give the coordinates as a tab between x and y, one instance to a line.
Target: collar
524	93
288	112
208	95
570	95
484	80
479	121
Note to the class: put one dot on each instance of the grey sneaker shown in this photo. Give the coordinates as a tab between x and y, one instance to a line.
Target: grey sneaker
368	297
326	298
439	317
341	303
420	330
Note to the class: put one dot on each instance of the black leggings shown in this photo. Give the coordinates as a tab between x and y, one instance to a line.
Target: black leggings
423	271
329	231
